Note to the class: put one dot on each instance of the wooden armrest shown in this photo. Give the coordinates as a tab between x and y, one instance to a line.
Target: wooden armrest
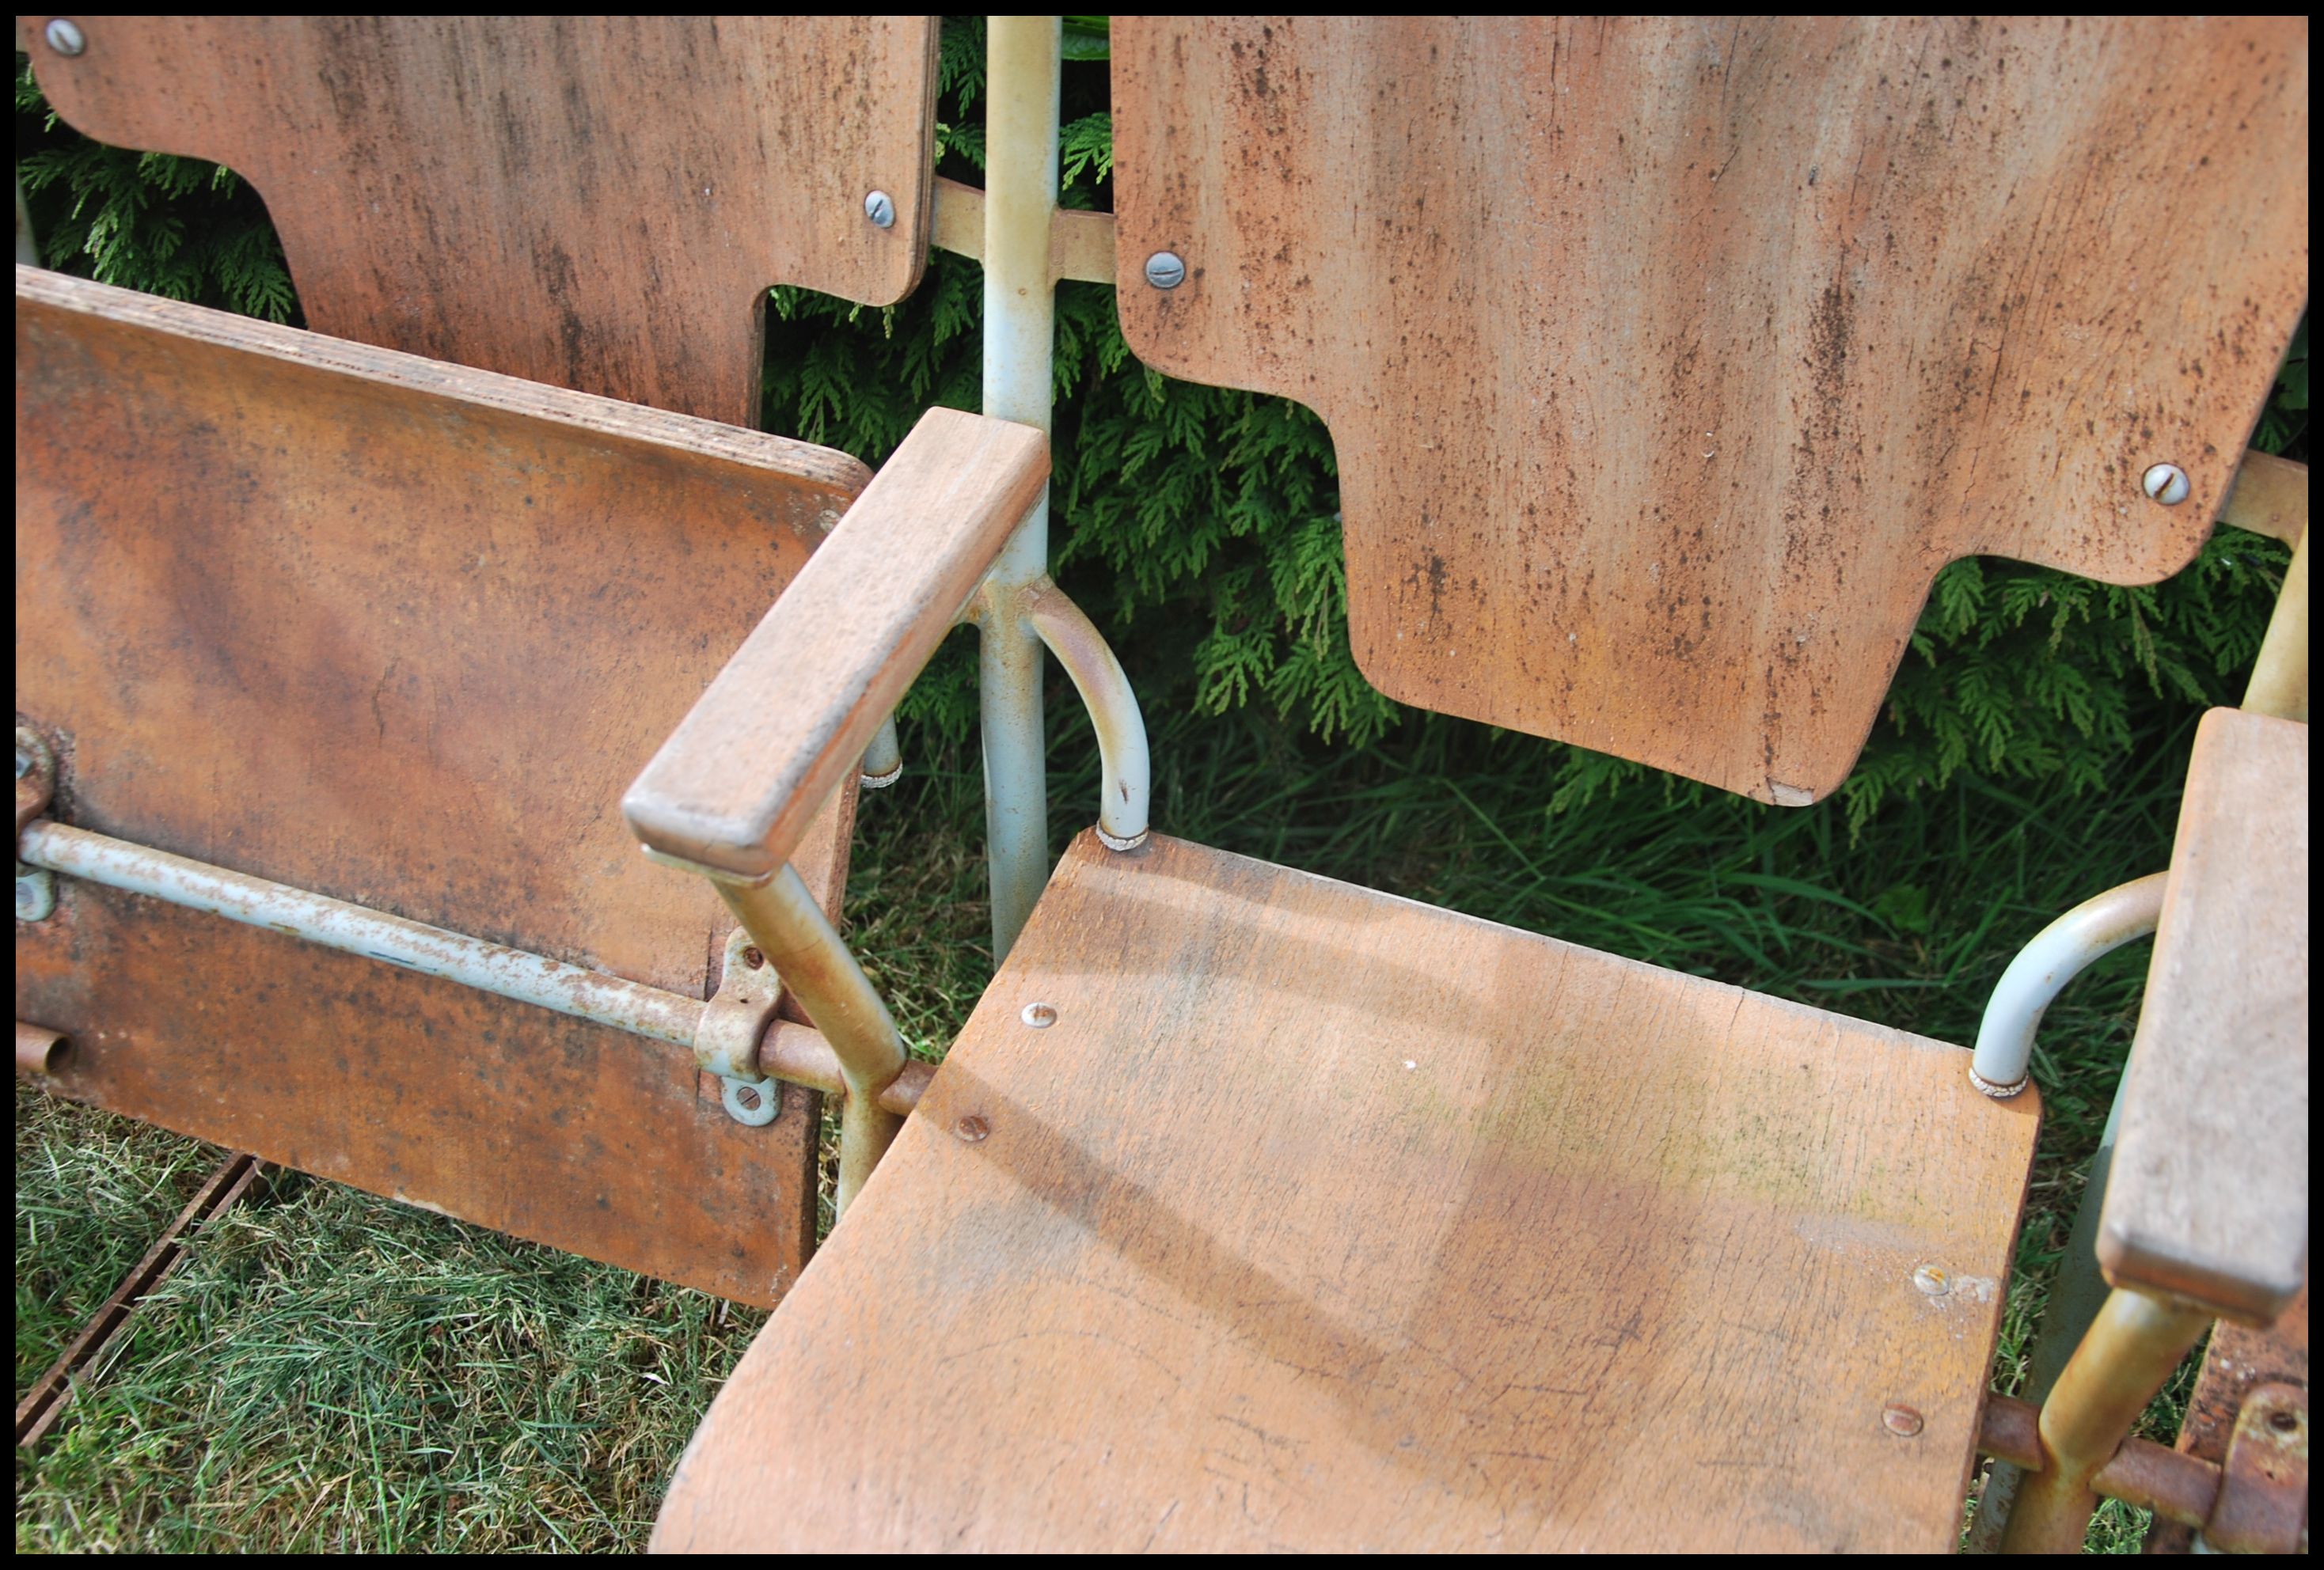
733	788
2207	1197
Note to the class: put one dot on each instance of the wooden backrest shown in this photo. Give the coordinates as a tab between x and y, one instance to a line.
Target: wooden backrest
597	203
1666	362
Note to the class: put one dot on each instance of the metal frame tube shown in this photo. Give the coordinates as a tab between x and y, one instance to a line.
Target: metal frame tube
2062	950
28	247
1104	687
799	939
2132	1347
551	984
2279	679
1020	140
883	760
2076	1298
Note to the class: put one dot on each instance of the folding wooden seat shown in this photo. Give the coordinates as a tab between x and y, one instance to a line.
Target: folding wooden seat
296	632
1667	363
1252	1209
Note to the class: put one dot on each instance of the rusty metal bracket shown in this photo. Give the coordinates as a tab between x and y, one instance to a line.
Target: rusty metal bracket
2262	1503
726	1041
36	784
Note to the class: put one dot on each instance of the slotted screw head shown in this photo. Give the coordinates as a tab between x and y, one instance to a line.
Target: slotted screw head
63	36
880	209
1163	269
1901	1421
2166	483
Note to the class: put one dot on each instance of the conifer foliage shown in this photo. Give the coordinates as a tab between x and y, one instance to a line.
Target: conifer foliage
1200	525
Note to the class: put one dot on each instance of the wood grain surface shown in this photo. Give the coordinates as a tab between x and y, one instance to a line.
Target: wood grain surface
2207	1196
596	202
1321	1219
397	632
787	718
1666	362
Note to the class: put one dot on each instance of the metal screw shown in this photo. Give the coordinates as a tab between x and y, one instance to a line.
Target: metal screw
2283	1422
1900	1420
753	959
972	1128
880	209
1933	1280
64	37
1163	269
1040	1016
2166	483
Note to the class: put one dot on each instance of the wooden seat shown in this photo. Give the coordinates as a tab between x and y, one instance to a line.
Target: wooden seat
1319	1218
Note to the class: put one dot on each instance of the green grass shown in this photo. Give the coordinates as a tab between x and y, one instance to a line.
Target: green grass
333	1372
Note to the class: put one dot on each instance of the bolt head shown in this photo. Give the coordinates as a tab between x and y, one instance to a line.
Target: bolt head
1163	269
1901	1421
1933	1280
2166	483
63	36
880	209
1040	1016
753	958
972	1128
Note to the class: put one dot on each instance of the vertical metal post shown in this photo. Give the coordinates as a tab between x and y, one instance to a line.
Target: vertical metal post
1020	193
783	919
2132	1349
28	249
2278	678
2076	1297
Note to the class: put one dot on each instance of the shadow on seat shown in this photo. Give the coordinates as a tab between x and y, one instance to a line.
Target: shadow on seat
1319	1218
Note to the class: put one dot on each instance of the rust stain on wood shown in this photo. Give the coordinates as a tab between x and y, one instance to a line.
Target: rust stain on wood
1666	362
596	202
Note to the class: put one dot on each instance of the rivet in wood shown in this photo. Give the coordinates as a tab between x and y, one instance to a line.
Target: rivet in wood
1901	1421
880	209
1040	1016
63	36
1163	269
2166	483
972	1128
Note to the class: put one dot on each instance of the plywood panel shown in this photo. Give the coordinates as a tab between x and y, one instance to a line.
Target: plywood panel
1319	1219
596	202
1666	362
2208	1199
400	633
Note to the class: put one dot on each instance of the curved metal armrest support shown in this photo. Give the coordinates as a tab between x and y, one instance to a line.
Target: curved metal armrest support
2061	951
1104	687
